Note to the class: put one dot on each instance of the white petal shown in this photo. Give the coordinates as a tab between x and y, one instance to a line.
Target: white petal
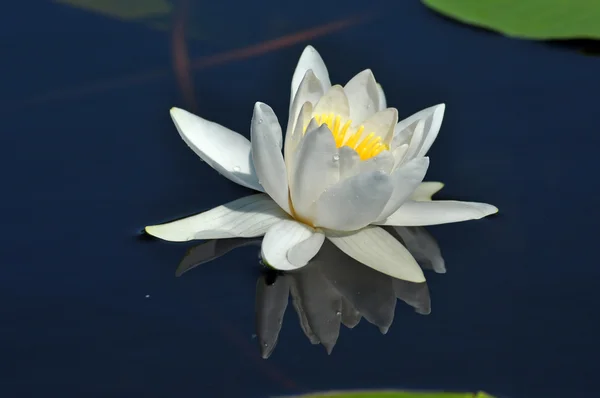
304	251
351	165
310	90
355	202
266	141
382	100
402	134
363	96
405	180
224	150
292	139
415	141
382	124
377	249
383	162
432	117
432	128
246	217
315	169
426	190
283	237
310	59
399	154
412	214
349	162
334	101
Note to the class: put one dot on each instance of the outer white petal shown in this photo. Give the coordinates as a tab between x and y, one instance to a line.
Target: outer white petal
382	100
280	245
246	217
224	150
412	214
405	180
426	190
266	141
432	118
315	169
353	203
304	251
293	138
334	101
416	140
377	249
310	59
432	128
310	90
363	96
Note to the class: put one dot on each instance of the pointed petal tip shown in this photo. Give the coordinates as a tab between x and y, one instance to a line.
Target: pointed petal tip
259	105
174	111
158	232
367	71
150	229
384	329
328	347
266	351
439	265
488	210
422	311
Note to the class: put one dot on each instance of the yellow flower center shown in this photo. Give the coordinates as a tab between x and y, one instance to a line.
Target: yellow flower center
367	147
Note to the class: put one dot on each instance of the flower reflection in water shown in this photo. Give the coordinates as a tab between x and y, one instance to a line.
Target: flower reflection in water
333	289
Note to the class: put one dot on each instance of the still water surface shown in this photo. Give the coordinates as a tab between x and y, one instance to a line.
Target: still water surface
89	156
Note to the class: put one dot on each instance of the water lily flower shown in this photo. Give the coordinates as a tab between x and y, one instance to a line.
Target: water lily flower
348	167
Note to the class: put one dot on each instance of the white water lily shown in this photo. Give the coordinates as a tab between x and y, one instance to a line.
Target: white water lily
347	167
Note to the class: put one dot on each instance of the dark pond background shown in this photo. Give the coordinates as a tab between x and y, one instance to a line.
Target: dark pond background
89	156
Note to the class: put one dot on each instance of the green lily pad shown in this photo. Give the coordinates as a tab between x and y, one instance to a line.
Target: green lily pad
394	394
530	19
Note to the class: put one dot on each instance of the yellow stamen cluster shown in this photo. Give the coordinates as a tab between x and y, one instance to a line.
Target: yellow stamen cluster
366	148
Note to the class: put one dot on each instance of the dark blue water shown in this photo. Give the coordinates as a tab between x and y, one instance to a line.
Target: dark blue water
89	156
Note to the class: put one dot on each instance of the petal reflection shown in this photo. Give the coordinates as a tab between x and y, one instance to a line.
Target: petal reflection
211	250
271	303
414	294
350	315
422	245
321	303
370	292
333	289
